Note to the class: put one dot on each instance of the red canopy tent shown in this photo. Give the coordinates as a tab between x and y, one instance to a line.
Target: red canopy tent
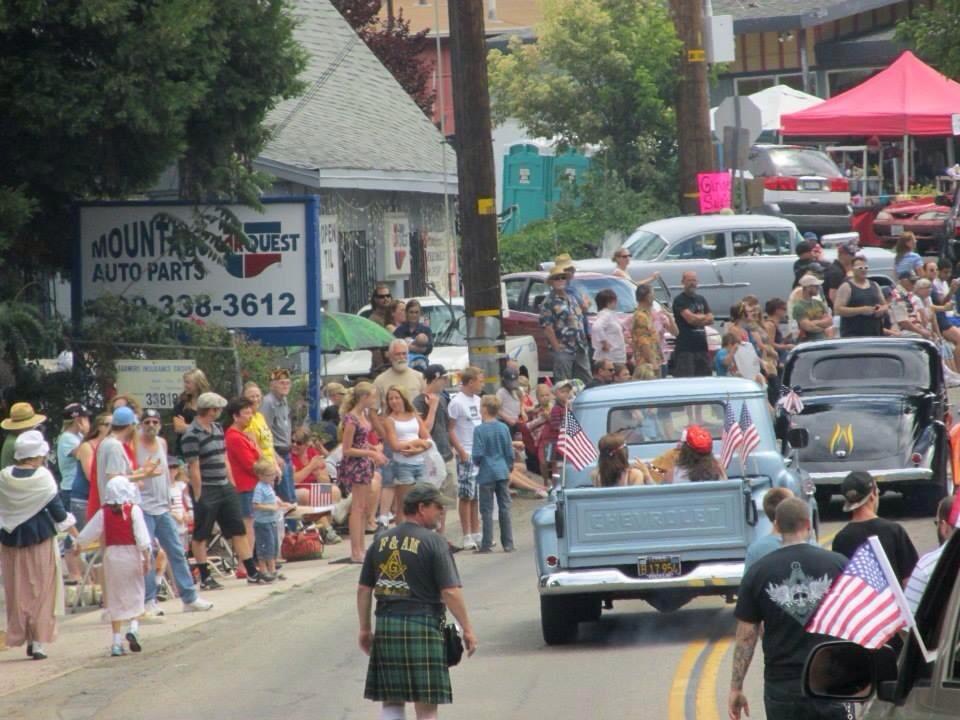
908	98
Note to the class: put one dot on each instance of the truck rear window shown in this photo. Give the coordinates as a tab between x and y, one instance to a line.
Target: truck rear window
652	424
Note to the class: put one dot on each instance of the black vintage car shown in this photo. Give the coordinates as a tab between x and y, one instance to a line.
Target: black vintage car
875	404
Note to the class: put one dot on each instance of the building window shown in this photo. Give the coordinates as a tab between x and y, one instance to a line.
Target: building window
750	85
839	81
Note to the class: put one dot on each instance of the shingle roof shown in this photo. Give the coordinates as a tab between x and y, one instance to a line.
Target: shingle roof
761	15
354	119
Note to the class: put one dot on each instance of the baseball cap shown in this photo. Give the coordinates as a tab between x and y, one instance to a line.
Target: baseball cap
697	439
151	413
210	400
850	248
809	280
804	246
509	377
907	275
30	444
123	416
173	461
424	493
433	371
810	236
75	410
856	489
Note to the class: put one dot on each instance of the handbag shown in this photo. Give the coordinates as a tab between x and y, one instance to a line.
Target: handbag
452	643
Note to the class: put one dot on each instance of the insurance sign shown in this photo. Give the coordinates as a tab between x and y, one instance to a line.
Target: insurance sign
270	282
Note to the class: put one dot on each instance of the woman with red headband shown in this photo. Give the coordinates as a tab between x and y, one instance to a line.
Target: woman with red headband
695	461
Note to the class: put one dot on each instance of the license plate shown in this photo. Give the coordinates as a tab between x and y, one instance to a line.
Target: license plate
896	229
658	566
812	185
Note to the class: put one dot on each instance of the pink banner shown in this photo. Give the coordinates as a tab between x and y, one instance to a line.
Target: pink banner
715	191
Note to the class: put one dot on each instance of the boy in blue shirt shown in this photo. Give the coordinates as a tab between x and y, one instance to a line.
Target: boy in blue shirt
493	456
267	511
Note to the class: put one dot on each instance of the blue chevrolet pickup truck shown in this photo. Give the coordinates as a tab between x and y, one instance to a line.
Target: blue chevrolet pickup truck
665	544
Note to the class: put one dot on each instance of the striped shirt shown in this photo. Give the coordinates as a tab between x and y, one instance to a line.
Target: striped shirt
209	449
920	577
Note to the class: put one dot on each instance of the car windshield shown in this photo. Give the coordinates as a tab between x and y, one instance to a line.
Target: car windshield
445	332
626	298
802	161
658	424
644	245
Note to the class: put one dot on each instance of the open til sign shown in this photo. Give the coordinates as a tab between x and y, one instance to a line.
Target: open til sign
658	566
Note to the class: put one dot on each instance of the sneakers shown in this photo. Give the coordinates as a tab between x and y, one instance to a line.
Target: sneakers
211	584
260	579
340	511
152	612
330	536
117	651
134	642
198	605
469	543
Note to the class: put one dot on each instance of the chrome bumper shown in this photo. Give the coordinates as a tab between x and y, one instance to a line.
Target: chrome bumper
611	581
915	474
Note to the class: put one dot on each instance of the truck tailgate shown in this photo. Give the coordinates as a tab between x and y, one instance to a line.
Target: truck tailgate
697	521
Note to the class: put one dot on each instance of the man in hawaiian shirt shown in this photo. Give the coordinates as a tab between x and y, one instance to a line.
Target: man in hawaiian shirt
562	319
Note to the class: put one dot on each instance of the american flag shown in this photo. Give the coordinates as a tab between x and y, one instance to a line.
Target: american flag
574	444
320	494
732	436
751	437
862	605
790	400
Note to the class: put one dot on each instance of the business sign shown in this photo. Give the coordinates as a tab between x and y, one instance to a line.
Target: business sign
329	258
715	191
154	383
438	261
396	247
124	249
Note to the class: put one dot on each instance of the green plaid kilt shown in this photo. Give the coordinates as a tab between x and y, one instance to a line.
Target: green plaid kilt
407	661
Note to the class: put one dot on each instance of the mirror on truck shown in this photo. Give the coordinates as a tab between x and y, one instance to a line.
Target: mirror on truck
839	671
798	438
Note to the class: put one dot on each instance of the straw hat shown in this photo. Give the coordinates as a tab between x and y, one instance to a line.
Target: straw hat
23	417
564	262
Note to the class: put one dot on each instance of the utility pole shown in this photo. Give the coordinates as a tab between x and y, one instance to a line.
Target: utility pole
693	105
480	262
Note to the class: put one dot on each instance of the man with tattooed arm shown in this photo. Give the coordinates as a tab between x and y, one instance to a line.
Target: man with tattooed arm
782	591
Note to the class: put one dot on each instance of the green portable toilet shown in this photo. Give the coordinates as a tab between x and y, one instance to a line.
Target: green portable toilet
568	166
527	182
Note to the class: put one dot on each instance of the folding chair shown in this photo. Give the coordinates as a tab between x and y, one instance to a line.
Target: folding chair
220	555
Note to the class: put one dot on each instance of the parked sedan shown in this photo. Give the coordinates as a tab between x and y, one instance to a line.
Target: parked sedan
525	292
931	220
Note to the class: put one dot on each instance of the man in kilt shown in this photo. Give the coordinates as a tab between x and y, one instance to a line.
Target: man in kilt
412	573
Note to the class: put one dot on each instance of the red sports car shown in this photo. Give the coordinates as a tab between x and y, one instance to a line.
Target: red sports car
931	219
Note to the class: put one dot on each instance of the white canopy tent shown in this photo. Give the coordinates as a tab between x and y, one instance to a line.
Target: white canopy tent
776	101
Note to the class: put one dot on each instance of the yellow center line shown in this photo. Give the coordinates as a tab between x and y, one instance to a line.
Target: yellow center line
676	705
825	541
707	691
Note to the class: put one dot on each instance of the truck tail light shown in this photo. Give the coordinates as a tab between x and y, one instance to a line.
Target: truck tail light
916	458
553	561
839	185
780	183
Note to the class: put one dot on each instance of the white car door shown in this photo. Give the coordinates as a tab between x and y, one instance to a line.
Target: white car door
761	264
699	253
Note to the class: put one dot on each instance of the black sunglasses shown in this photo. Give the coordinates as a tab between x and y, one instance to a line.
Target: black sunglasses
383	297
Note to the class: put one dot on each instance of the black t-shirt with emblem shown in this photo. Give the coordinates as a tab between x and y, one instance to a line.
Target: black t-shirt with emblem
408	567
783	590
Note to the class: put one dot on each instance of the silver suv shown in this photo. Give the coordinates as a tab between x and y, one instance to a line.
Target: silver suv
801	184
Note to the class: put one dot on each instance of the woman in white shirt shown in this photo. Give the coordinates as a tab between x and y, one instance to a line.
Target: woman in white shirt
606	333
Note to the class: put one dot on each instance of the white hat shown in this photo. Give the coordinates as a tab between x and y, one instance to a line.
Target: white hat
209	400
30	444
119	491
810	280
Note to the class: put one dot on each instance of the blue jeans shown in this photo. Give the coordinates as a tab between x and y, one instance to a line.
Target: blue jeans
285	486
501	489
164	529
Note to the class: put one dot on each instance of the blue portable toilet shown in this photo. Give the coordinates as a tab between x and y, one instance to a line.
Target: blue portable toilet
527	182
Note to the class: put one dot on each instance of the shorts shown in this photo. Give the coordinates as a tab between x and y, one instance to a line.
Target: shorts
688	363
265	537
246	503
407	473
467	480
218	504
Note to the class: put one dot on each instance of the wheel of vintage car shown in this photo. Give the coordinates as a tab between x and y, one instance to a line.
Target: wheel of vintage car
558	620
590	608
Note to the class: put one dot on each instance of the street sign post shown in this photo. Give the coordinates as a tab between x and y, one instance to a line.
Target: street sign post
744	116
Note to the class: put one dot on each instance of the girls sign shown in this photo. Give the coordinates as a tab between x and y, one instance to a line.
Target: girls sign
715	191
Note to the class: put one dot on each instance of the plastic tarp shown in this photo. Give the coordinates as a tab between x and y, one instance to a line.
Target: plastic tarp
908	98
774	102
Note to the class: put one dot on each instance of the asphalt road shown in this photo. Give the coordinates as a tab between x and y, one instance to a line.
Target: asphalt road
296	656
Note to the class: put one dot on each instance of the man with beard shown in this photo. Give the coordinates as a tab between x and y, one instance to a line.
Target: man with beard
399	373
155	503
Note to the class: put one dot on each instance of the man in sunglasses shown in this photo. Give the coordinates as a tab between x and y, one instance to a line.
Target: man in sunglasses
859	303
380	300
155	503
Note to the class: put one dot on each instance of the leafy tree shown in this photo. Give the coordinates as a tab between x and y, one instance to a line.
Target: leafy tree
602	203
602	72
399	49
100	97
935	34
